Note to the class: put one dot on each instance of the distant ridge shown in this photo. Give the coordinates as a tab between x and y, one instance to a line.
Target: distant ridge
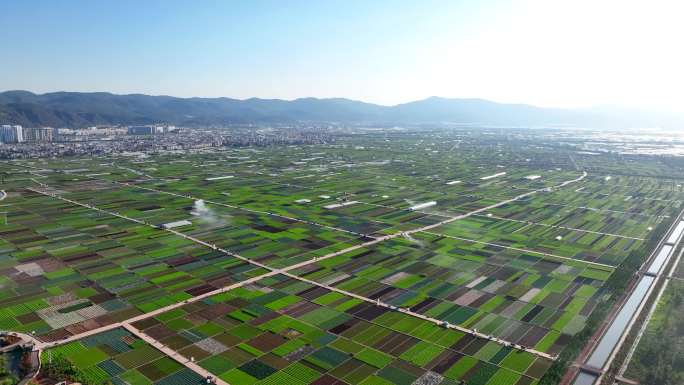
78	109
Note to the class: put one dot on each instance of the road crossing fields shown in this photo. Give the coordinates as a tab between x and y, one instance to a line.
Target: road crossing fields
526	274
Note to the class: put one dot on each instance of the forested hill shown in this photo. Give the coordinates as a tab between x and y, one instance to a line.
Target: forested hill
76	109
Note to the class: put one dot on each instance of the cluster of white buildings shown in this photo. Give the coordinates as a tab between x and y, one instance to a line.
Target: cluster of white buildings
39	134
18	134
92	131
150	130
11	134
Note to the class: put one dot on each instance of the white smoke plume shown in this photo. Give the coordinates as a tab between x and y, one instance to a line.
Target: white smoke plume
413	240
206	213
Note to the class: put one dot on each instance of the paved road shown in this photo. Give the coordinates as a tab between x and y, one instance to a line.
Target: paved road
435	321
27	338
42	345
11	347
273	271
286	270
174	355
488	216
127	324
39	345
196	198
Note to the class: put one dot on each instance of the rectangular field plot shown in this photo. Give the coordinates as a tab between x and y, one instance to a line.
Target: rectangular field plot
655	187
379	187
148	232
646	197
291	201
520	297
269	239
626	224
285	331
67	268
356	206
389	188
121	358
587	246
359	204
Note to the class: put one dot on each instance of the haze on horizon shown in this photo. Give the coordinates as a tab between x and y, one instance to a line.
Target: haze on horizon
549	53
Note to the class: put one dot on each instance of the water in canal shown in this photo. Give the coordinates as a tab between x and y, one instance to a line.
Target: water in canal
599	357
660	259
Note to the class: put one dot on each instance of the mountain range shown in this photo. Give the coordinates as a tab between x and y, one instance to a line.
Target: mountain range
79	109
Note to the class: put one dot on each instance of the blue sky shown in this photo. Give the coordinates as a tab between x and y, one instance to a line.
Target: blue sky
544	52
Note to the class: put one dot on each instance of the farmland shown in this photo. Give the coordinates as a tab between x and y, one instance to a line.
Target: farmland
321	264
659	354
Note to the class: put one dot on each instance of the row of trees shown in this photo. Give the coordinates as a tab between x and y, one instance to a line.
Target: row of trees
6	376
659	358
60	368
